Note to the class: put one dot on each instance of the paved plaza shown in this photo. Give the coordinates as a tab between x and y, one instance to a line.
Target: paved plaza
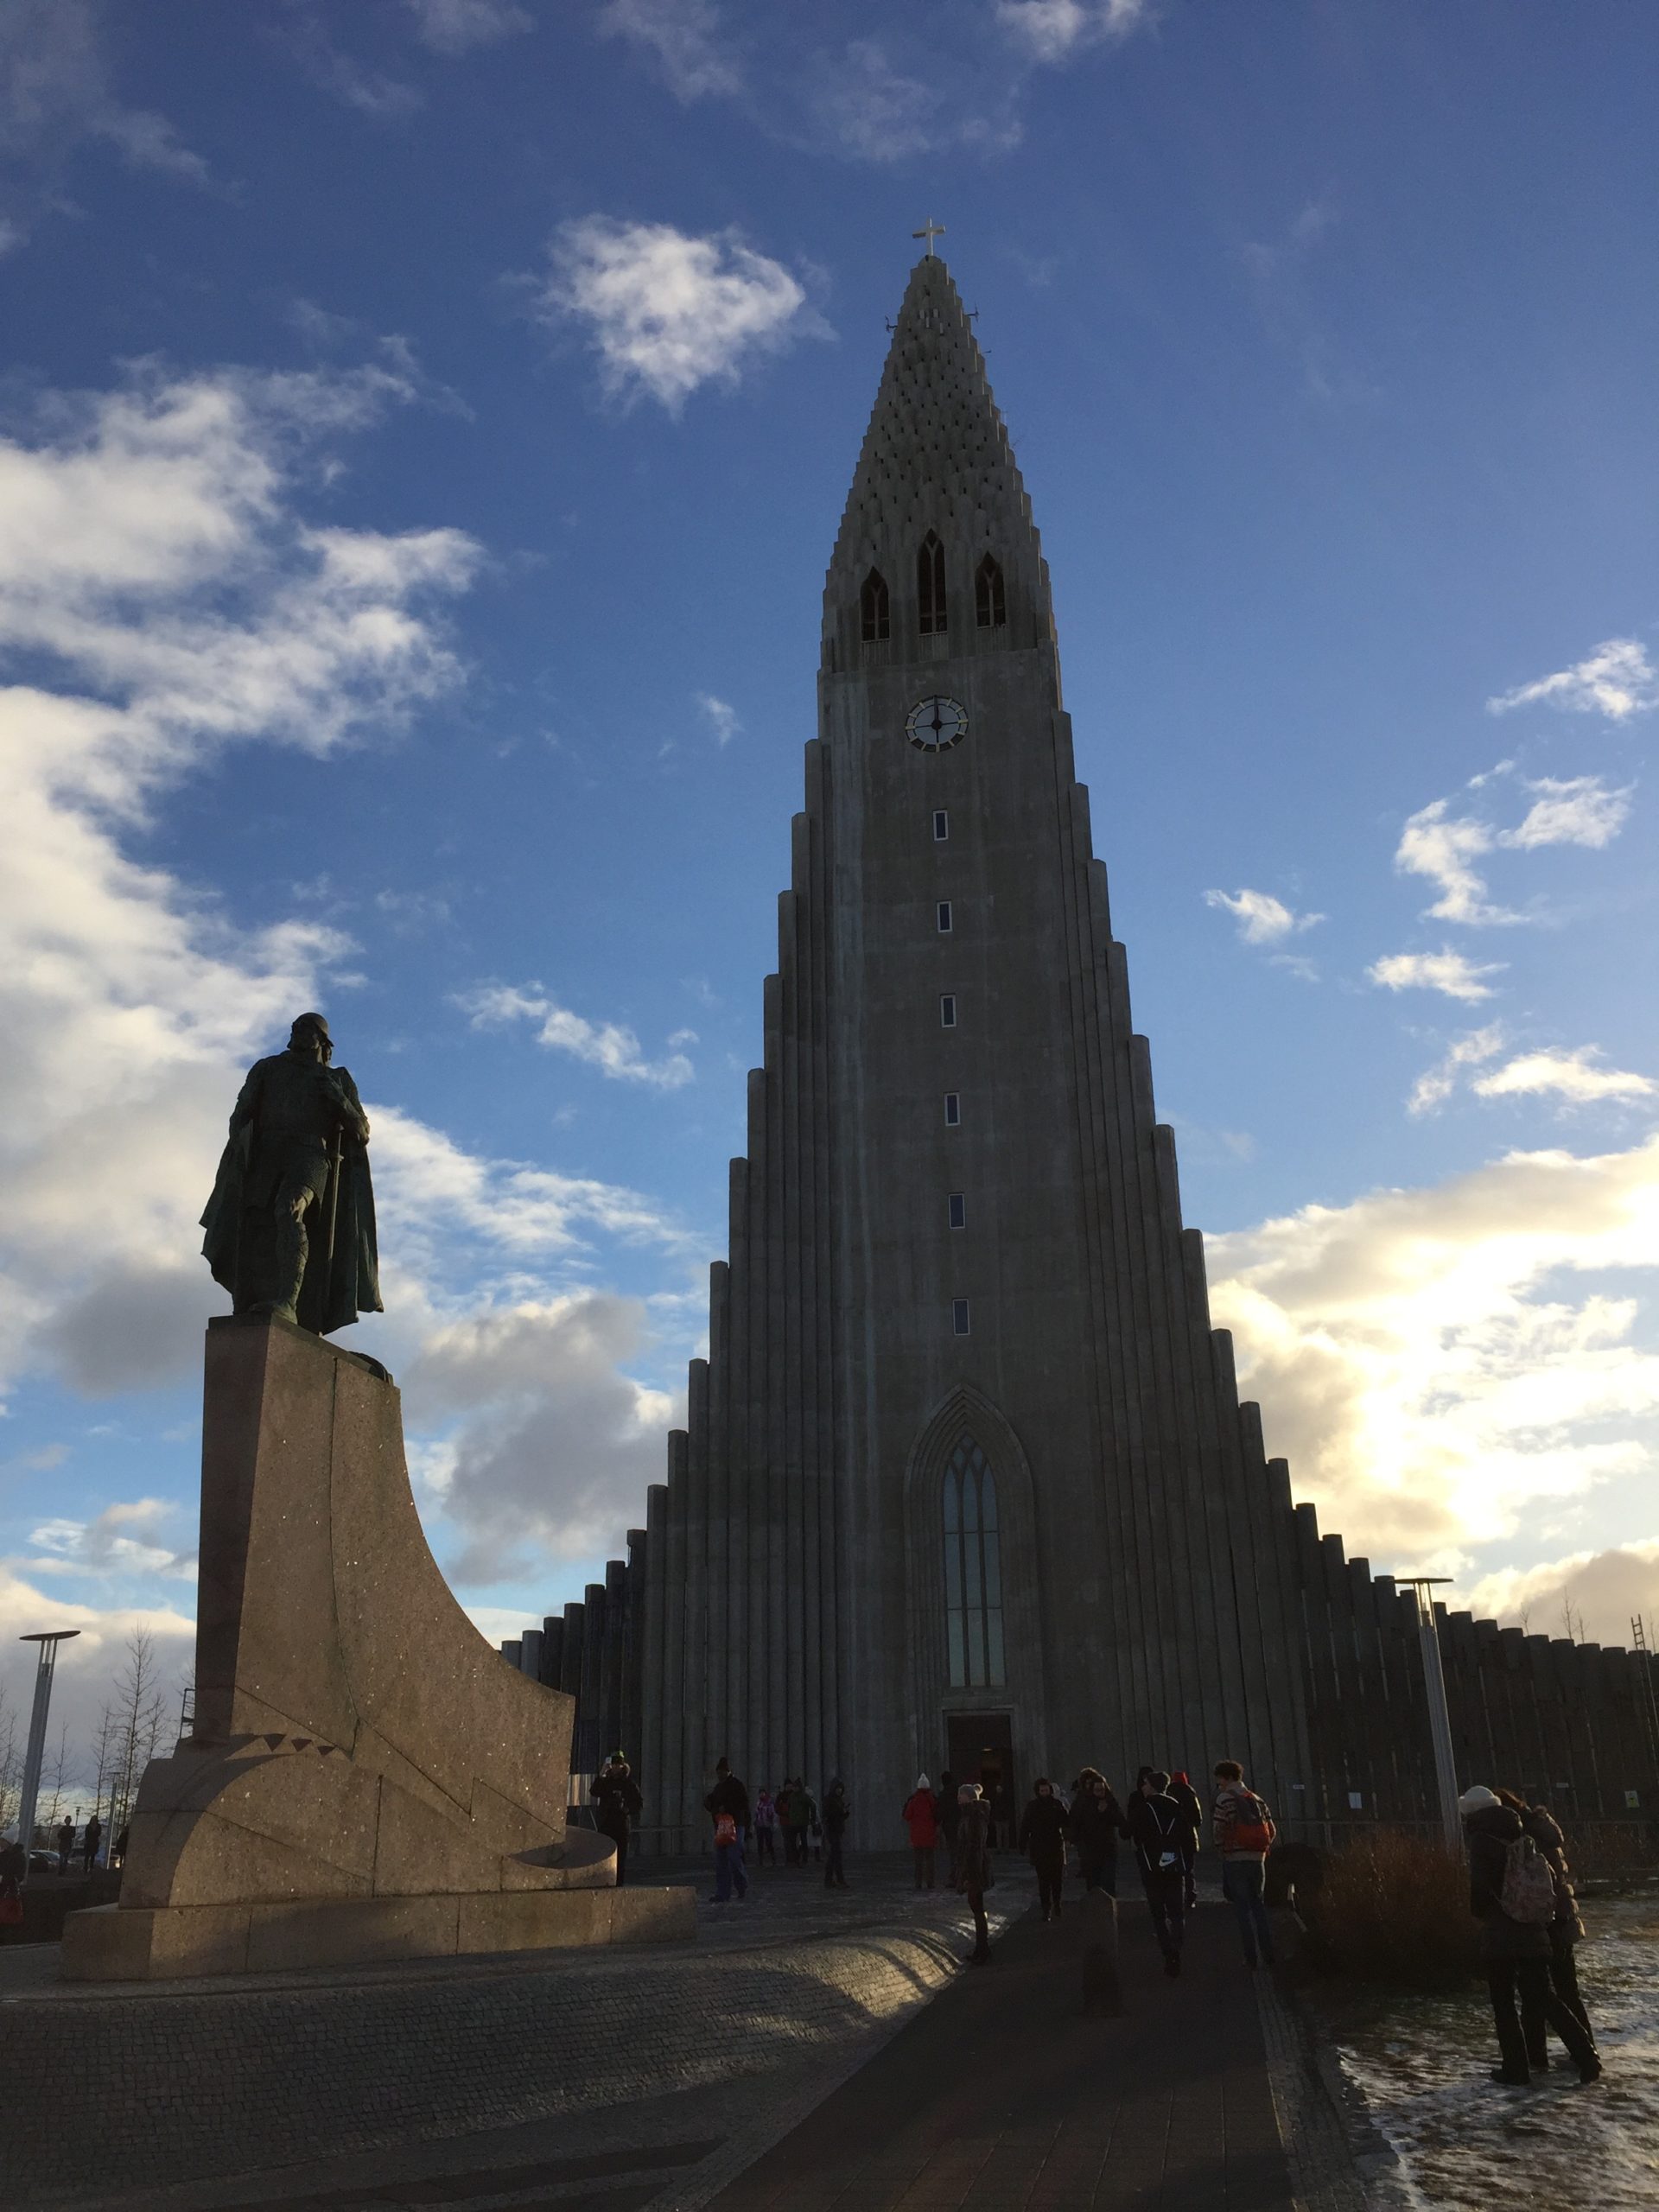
792	2059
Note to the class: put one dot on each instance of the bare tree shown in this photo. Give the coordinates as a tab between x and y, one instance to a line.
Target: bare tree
56	1772
137	1716
1571	1621
11	1764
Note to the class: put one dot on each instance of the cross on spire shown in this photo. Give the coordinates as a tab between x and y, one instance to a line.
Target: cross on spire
929	231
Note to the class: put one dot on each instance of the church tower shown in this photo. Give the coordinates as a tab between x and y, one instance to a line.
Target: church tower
965	1481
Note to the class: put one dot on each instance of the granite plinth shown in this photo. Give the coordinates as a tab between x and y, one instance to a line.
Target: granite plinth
367	1779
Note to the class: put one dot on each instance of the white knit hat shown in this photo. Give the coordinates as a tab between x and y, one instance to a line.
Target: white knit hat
1477	1799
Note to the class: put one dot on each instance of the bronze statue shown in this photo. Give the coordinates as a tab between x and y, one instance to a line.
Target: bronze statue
289	1227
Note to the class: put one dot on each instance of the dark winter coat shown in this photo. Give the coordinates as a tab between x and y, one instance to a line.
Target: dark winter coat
836	1810
970	1854
616	1801
1096	1823
1042	1832
1187	1798
1546	1831
1159	1827
729	1795
1489	1834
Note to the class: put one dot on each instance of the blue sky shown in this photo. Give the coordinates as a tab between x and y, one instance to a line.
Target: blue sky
424	429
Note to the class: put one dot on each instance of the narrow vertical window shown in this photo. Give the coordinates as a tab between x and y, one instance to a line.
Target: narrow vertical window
929	584
941	824
872	608
959	1213
944	918
990	600
948	1010
959	1316
952	1110
973	1571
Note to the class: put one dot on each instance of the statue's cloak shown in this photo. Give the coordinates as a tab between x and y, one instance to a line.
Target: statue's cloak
342	1273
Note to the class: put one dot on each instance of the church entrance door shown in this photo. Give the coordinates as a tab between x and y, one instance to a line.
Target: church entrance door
981	1750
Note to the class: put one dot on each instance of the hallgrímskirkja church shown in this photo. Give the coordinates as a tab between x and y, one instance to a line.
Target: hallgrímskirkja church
965	1481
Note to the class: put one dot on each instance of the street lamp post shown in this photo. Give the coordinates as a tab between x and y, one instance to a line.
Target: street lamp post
1422	1588
48	1640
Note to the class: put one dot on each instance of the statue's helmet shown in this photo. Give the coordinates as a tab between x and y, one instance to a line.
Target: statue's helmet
314	1021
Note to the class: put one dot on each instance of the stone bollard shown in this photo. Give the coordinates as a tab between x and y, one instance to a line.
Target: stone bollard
1103	1992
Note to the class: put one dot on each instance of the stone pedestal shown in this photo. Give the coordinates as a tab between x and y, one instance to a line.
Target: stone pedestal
368	1778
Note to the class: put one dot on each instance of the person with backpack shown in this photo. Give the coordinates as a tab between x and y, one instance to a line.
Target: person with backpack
1042	1838
1163	1851
1244	1829
1566	1930
1096	1822
1512	1894
921	1818
838	1811
727	1806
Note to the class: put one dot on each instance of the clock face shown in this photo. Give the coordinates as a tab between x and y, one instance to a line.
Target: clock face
935	723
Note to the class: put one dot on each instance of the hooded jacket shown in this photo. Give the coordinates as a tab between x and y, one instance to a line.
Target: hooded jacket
920	1817
1545	1830
1043	1830
1489	1834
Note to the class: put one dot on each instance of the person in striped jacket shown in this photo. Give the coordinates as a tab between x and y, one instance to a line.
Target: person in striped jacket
1244	1832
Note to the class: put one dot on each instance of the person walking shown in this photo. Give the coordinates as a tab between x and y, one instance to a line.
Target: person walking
727	1806
14	1872
617	1805
1042	1838
1187	1798
66	1843
838	1811
946	1808
765	1829
1243	1828
921	1817
1565	1929
1512	1894
970	1865
90	1841
1096	1822
792	1805
1163	1852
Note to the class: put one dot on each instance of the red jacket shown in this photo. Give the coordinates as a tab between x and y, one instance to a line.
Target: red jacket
920	1818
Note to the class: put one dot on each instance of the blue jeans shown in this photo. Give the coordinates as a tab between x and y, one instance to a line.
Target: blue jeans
728	1869
1243	1884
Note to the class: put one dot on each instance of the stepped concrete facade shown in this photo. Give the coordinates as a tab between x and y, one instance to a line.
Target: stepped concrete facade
966	1481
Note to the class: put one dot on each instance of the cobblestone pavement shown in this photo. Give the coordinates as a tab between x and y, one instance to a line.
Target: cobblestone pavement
489	2076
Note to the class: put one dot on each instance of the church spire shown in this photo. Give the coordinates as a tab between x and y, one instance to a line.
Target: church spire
936	458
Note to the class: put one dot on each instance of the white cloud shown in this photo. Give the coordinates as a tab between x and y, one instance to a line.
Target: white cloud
1053	30
1444	847
547	1442
1605	1589
1573	1076
121	1540
1579	810
684	39
1261	919
1452	973
606	1045
1616	680
55	91
1437	1361
1436	1084
453	26
666	311
720	717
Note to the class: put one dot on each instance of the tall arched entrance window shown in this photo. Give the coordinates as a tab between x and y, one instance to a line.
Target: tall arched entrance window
973	1572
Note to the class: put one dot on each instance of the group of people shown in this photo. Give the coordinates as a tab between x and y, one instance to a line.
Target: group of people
1521	1891
1163	1823
794	1810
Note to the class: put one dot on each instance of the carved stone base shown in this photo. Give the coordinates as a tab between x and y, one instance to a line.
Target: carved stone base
368	1779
